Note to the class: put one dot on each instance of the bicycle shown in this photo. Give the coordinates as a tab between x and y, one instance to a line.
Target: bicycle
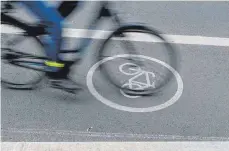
35	62
133	82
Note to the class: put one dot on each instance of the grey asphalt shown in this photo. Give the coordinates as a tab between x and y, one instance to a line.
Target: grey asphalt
201	113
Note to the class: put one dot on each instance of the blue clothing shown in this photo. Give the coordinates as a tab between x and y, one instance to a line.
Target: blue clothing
51	17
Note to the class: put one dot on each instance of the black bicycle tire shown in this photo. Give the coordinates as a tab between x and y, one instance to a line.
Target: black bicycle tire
32	84
173	57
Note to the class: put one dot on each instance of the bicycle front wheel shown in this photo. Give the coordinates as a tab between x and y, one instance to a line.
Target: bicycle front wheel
128	49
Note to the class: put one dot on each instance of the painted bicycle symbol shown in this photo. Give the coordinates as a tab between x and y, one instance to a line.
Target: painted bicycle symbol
137	74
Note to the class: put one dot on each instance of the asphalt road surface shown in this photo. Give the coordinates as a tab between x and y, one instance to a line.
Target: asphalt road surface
200	113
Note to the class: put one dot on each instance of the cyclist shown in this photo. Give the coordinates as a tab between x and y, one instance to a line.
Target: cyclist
58	69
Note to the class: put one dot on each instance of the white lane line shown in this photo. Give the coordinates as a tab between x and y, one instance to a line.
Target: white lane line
111	135
114	146
102	34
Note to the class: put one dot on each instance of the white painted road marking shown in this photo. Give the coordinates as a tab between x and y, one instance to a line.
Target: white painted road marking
114	146
133	83
111	104
102	34
112	135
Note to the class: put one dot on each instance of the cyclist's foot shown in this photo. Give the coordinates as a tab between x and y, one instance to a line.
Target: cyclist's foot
59	79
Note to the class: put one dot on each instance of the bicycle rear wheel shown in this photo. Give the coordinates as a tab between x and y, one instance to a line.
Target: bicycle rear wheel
15	39
128	57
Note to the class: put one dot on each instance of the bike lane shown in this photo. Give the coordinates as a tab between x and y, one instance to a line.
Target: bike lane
199	114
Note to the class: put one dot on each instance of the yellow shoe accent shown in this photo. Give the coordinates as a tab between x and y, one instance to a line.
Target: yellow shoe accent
54	64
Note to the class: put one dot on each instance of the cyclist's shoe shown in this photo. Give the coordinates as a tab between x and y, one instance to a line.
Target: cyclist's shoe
58	77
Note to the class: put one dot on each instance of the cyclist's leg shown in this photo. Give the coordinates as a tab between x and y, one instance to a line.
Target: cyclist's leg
53	20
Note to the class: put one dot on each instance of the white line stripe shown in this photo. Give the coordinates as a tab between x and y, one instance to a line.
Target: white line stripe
112	135
115	146
102	34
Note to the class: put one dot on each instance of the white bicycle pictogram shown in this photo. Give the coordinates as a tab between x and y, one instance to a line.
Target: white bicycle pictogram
133	82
